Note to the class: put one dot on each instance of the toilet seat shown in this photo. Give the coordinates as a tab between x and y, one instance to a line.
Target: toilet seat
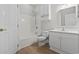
41	38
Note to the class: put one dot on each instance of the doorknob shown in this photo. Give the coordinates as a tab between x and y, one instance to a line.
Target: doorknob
2	29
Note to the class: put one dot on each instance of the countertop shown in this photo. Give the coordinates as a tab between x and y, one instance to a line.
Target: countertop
70	32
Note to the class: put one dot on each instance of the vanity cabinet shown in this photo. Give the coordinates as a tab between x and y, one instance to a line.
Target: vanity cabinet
64	42
54	40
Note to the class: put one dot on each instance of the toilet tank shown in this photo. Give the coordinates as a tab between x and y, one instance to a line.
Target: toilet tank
45	33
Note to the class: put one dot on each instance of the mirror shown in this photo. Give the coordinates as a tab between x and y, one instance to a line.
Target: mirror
68	16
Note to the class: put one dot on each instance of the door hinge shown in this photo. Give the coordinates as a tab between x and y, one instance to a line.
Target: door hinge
17	25
17	45
17	6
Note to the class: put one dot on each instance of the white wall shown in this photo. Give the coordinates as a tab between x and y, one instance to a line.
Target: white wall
43	10
26	23
42	17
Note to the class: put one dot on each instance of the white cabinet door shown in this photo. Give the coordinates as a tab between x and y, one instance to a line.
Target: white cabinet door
69	43
55	40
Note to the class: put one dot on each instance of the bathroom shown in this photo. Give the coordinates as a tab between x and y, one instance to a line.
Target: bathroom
45	27
57	19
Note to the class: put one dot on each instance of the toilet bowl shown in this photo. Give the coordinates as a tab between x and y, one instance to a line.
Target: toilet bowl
43	36
42	39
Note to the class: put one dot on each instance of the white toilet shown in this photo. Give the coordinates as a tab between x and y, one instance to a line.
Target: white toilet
42	39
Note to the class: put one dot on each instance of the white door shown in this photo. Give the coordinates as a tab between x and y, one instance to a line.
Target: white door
8	29
4	25
69	43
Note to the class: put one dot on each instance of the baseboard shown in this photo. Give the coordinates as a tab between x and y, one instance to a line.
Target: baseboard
58	51
27	42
